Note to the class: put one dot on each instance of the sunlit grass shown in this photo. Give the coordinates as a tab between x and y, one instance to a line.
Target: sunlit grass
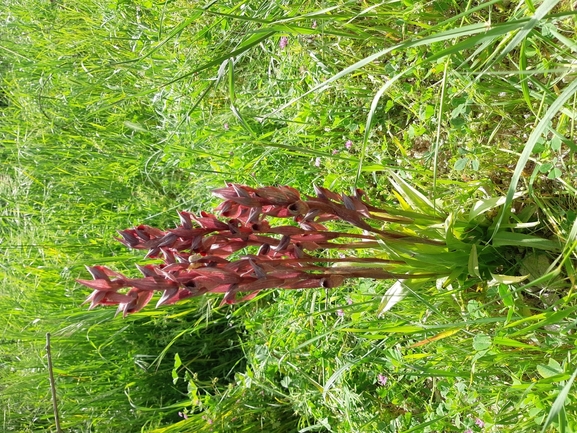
120	113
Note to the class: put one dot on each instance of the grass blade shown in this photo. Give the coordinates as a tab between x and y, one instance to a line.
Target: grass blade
559	404
539	14
539	130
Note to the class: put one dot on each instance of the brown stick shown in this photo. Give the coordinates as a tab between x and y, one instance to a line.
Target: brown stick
52	384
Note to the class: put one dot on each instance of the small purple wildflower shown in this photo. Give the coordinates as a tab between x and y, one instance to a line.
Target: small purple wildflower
382	379
479	422
318	162
349	144
468	431
226	127
314	26
335	152
340	313
182	415
283	42
349	301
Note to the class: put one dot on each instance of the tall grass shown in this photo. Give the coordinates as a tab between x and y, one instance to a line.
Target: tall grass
116	113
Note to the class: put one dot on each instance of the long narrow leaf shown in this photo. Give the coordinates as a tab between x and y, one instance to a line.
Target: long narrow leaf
539	130
450	34
471	41
248	44
539	14
559	403
412	196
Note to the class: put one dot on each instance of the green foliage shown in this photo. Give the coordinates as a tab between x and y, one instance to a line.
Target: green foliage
116	113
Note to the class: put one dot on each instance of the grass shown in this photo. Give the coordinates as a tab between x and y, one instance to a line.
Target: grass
116	113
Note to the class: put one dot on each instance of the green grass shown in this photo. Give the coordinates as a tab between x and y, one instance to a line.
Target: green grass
117	113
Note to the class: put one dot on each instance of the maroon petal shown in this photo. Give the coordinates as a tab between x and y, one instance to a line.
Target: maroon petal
147	270
105	285
242	190
142	300
185	219
210	222
326	194
151	283
169	293
128	238
102	272
95	298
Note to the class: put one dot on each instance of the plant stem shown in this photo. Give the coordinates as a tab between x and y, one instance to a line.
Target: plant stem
52	384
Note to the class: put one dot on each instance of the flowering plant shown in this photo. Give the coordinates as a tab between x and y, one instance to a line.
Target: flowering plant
196	255
243	251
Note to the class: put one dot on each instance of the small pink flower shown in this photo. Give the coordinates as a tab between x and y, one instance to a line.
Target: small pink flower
349	301
382	379
226	127
182	415
349	144
283	42
317	162
468	431
340	313
314	25
479	422
335	152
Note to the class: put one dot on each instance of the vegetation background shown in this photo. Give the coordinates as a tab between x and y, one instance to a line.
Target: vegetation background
117	112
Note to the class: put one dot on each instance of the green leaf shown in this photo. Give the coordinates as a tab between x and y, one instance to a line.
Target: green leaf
137	127
544	168
334	377
177	364
392	296
504	341
192	391
459	110
508	279
483	206
429	112
546	371
460	164
286	381
474	262
524	80
401	329
511	239
559	404
412	196
506	296
556	143
555	173
481	342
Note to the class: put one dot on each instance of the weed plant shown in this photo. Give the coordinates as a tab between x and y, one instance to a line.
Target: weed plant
119	113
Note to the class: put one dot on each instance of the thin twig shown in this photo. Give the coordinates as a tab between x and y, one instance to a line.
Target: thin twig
52	384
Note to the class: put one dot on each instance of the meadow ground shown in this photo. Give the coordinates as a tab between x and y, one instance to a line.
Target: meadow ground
116	113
